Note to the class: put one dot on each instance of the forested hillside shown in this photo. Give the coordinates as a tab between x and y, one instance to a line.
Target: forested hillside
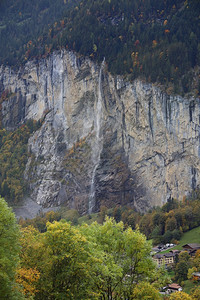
155	40
23	21
13	158
164	224
105	260
82	110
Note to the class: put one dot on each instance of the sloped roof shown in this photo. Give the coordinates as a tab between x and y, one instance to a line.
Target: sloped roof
158	256
169	254
192	246
174	286
164	255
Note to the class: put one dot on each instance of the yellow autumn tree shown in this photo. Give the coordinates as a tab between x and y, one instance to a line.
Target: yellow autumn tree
27	279
144	290
180	296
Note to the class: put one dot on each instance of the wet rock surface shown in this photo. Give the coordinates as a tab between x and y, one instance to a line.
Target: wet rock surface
135	144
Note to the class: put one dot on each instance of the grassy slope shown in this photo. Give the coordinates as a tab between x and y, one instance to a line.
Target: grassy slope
192	236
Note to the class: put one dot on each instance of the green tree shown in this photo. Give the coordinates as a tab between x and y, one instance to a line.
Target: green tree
67	275
145	224
108	248
102	214
170	205
156	235
196	293
9	251
124	258
32	259
176	234
86	262
166	238
117	213
145	291
170	224
182	267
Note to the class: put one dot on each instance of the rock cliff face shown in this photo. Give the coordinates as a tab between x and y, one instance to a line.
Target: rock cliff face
103	141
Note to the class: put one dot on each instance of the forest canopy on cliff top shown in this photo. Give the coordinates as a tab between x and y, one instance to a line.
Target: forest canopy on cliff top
152	39
158	41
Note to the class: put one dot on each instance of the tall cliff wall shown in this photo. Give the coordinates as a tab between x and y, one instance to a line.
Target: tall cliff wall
103	141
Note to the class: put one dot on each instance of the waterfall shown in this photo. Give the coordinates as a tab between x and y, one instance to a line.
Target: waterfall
97	148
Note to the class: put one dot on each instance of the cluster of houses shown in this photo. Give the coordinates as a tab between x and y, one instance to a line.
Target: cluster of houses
169	259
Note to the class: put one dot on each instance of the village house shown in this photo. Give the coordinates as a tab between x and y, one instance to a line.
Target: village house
196	276
174	287
191	248
170	288
167	259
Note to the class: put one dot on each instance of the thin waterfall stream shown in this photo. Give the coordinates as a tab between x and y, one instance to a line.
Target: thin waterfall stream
96	151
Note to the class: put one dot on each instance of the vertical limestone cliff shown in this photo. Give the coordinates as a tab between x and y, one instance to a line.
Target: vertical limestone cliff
103	141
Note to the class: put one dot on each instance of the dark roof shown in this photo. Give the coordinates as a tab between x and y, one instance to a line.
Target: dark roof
169	254
155	248
192	246
175	251
158	256
164	255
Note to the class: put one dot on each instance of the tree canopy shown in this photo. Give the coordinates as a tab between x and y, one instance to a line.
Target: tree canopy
9	251
85	262
154	40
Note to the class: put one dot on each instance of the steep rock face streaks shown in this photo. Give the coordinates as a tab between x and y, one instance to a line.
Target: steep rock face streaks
103	141
97	148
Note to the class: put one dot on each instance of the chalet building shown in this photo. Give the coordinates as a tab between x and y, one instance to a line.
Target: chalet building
191	248
167	259
196	276
174	287
170	288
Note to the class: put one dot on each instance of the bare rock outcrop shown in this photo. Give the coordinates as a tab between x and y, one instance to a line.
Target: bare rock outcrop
103	141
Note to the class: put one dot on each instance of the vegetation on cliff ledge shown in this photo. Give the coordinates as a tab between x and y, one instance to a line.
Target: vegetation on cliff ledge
13	158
